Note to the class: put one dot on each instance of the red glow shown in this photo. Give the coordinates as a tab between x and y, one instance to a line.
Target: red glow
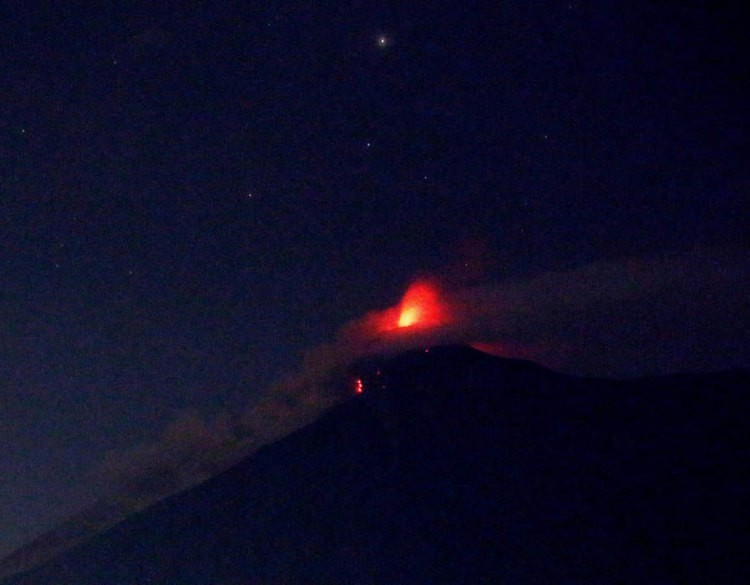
498	349
359	386
421	306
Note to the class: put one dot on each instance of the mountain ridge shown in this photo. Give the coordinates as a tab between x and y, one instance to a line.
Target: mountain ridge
452	450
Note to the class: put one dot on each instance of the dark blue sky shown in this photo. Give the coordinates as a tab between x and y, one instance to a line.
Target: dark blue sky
192	193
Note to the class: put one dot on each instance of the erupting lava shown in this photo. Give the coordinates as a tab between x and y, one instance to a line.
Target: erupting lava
421	306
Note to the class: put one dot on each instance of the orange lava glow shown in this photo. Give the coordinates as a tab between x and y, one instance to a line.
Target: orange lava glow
409	316
421	306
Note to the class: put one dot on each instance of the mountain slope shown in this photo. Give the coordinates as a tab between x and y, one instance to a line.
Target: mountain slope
457	467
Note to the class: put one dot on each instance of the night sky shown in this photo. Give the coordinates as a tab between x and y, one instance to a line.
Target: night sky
194	193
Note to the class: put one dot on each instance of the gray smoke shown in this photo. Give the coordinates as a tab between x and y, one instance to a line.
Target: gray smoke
685	311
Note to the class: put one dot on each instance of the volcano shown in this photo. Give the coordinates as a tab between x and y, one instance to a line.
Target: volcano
453	466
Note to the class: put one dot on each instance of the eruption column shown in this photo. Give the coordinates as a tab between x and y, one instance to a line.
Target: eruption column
421	306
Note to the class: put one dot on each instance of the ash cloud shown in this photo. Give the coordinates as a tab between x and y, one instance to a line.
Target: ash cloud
194	447
191	448
635	316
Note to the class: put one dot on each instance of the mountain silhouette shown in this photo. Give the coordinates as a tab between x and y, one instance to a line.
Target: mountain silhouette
454	466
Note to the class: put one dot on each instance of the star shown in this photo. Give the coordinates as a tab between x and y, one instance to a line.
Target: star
383	41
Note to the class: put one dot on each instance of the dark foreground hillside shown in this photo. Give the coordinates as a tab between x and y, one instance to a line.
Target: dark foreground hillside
457	467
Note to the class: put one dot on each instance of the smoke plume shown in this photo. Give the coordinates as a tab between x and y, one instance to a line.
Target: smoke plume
634	316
